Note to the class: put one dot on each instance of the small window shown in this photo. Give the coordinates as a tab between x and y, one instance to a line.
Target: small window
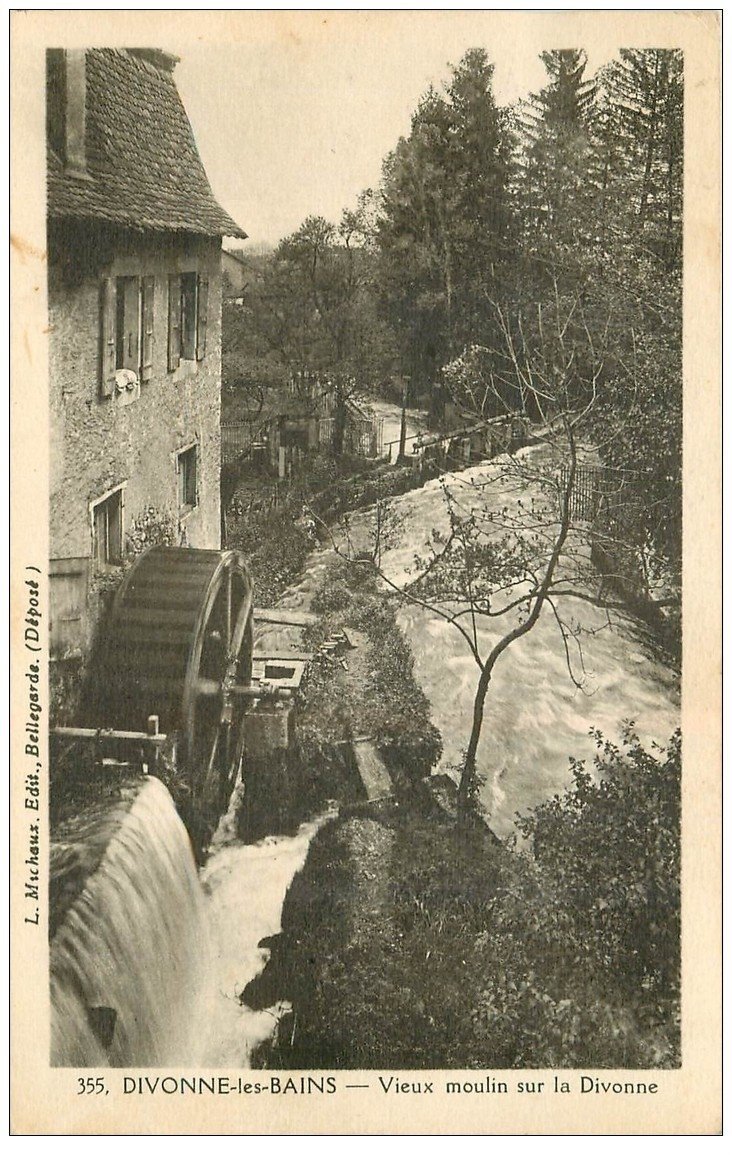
187	318
107	528
188	478
188	285
128	324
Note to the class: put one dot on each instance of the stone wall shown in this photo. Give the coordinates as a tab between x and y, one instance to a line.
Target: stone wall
98	442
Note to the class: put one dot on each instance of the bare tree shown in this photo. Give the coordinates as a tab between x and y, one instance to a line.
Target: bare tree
518	536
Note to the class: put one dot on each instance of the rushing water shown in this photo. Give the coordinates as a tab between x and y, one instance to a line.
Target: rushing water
246	884
535	717
246	887
193	944
132	952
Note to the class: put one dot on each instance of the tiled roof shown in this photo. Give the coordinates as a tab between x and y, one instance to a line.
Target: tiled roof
143	167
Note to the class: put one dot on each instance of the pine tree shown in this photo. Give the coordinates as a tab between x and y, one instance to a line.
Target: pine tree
556	147
445	217
645	90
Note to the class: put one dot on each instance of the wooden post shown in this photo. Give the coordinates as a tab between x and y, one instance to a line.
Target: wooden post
153	729
403	426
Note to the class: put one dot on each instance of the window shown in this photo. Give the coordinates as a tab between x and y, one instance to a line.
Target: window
188	478
107	529
127	323
187	318
126	329
188	286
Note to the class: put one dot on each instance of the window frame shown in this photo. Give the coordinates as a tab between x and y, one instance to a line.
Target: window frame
115	297
188	315
115	558
183	457
127	287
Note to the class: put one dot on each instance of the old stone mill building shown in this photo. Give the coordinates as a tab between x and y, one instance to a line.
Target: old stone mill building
134	286
156	685
151	622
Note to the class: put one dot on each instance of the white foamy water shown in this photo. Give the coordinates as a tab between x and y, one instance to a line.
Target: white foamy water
245	887
195	947
535	717
134	945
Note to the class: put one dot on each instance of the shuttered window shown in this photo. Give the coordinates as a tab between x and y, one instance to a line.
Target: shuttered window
202	318
107	530
188	478
188	318
127	323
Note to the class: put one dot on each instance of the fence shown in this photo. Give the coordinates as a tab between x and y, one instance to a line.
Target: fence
599	492
236	438
361	437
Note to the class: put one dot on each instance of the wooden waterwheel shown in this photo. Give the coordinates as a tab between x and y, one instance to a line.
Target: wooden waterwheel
179	644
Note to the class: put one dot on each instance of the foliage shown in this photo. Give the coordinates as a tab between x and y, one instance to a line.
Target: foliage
153	527
276	548
382	699
590	926
444	219
414	949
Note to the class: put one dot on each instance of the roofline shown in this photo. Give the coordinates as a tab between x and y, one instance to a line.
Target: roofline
137	227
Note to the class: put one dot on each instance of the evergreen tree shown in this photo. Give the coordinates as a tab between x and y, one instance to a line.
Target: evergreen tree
556	149
445	218
645	93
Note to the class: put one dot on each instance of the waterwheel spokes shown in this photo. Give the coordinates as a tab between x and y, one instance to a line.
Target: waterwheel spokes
212	756
178	644
227	633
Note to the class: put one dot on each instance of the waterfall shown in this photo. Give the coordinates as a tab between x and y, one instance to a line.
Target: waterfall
246	886
129	960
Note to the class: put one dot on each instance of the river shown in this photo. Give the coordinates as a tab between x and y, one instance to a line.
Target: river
536	718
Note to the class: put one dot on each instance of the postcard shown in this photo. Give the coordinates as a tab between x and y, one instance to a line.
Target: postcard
366	572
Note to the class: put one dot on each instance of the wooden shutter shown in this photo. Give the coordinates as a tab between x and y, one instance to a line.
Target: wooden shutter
202	318
107	337
148	327
188	286
173	322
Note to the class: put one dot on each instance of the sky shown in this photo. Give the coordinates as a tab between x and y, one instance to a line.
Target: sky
296	119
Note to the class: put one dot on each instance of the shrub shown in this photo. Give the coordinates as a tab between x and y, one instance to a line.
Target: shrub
583	955
456	952
276	549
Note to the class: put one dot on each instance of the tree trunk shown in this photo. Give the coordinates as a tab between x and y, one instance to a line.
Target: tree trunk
467	777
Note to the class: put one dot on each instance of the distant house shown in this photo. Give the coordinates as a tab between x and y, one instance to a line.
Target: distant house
299	420
235	275
134	298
